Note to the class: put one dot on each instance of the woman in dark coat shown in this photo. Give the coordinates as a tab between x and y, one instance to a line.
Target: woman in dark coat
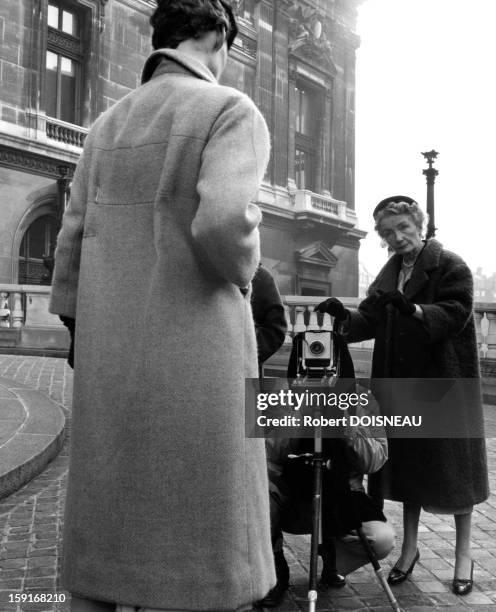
419	310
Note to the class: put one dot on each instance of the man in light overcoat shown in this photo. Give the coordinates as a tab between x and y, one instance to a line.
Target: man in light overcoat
167	503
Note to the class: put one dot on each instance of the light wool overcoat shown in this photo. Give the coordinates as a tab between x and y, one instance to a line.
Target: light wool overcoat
167	503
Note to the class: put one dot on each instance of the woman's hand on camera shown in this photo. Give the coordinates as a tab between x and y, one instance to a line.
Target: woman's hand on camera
396	299
333	307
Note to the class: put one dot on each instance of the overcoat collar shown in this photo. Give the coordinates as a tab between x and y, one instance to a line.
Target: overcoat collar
428	259
171	60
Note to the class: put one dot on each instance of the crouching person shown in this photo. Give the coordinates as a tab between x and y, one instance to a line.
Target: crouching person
366	451
362	450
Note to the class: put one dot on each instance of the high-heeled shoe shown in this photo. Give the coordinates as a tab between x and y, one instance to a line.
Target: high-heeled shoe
463	586
397	576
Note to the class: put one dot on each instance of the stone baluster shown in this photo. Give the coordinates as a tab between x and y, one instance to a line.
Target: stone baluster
289	337
313	324
484	329
299	325
17	311
326	322
4	309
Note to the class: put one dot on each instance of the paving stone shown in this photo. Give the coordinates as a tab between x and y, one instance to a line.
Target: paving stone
433	586
437	564
446	599
42	544
40	583
351	603
442	574
476	597
20	537
41	562
43	552
14	584
8	564
41	572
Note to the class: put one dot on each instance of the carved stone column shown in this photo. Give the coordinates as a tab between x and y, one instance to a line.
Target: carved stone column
327	143
292	76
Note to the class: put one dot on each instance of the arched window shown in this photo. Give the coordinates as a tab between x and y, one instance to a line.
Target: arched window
38	243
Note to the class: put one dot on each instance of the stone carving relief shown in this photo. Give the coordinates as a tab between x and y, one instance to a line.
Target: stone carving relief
238	6
309	37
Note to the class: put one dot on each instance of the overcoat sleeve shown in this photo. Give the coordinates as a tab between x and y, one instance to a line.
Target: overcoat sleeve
362	323
232	168
68	252
452	308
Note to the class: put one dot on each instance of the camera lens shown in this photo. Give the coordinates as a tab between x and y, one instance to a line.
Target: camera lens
316	348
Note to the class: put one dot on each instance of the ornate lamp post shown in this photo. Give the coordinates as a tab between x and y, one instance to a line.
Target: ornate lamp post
430	173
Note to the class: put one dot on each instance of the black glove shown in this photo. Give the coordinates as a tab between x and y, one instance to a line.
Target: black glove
397	299
333	307
70	323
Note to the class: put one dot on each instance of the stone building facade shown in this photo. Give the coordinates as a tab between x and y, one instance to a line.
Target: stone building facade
63	62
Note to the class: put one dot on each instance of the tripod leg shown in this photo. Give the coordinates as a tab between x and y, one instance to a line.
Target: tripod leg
378	570
316	511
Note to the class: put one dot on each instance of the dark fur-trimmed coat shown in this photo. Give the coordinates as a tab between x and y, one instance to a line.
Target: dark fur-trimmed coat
445	473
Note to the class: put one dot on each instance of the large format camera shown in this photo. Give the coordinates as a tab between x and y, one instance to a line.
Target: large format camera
316	353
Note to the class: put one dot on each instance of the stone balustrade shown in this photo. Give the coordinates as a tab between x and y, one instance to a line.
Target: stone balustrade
25	306
306	201
66	133
300	317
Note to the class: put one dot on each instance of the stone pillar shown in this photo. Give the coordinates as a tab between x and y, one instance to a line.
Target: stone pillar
264	71
327	143
281	95
291	131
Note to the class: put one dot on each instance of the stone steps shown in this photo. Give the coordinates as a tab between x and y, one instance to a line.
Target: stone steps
32	431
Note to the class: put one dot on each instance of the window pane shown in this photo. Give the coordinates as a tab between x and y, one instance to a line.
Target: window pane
307	116
37	237
68	92
53	16
69	23
300	161
308	110
51	84
51	61
298	109
66	65
23	250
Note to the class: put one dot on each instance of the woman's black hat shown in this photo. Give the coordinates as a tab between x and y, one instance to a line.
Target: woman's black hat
398	198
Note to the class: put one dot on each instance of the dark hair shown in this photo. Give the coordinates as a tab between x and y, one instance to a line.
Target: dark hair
176	20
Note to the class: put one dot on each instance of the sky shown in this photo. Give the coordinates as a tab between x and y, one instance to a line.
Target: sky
426	79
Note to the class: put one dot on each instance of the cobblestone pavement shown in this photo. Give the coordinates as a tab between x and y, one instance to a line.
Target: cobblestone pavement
31	522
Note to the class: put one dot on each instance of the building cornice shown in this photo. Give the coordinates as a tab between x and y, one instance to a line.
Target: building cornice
143	6
29	156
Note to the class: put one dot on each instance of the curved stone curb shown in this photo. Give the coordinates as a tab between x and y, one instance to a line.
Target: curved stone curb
33	428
